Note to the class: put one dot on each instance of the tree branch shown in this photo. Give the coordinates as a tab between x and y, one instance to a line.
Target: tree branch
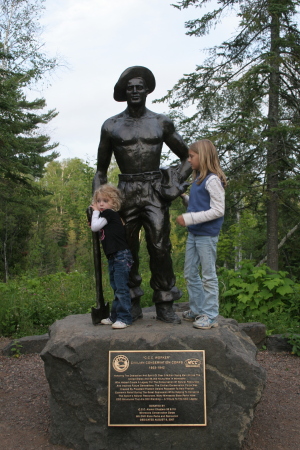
281	243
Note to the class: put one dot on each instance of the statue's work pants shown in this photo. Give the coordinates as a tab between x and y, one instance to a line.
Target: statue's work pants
143	207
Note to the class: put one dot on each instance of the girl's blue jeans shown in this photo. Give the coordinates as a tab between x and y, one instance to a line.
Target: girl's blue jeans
119	265
203	291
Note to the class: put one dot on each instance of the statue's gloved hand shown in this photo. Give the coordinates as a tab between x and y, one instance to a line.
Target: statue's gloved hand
171	185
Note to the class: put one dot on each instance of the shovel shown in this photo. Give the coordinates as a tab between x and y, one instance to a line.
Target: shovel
102	309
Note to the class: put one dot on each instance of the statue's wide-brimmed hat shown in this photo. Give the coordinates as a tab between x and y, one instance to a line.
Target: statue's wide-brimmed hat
128	74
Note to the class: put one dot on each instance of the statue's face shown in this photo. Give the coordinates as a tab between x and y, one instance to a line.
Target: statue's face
136	92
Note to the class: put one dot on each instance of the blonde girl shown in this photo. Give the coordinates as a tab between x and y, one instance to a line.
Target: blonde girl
204	219
106	219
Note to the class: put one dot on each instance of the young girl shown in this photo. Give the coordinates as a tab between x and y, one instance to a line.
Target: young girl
204	218
106	203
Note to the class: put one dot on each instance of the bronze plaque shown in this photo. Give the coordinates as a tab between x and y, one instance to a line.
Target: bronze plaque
157	388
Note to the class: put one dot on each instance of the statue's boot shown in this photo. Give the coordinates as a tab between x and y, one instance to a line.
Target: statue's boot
165	312
136	310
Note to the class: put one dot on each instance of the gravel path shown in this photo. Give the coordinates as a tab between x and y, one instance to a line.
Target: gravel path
276	424
25	415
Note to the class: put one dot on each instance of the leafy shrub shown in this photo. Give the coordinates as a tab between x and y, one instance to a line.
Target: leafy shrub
260	294
29	305
294	341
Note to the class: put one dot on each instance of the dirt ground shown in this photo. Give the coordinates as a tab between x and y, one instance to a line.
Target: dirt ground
25	414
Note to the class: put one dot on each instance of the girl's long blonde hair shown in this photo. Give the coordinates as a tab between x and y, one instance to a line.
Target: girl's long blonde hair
208	161
112	193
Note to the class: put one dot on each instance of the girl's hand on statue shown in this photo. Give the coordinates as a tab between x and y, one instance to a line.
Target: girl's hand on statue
180	221
94	207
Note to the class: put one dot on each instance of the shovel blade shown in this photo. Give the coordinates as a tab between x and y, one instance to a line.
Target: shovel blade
100	313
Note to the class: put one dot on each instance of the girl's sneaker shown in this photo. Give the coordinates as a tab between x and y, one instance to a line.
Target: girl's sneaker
107	321
118	325
205	323
189	315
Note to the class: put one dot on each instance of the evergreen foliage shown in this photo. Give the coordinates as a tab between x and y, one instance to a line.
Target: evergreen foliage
24	148
247	98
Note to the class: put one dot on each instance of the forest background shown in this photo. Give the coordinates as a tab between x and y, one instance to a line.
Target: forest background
246	100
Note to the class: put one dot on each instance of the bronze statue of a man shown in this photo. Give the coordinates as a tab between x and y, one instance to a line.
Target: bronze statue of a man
135	137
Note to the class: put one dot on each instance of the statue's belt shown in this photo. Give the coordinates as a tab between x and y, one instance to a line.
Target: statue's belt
145	176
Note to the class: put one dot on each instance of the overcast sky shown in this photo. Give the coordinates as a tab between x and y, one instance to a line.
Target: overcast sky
99	39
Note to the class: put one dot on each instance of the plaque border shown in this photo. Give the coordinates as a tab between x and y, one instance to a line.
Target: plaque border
154	424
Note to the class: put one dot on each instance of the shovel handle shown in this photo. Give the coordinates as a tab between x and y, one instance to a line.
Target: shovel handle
97	263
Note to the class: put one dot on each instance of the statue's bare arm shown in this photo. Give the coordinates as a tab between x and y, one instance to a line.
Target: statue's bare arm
105	151
175	142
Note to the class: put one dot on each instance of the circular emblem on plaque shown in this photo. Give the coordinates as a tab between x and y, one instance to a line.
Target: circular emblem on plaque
120	363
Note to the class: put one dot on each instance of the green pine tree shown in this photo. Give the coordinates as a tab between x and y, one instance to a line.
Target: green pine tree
24	149
247	98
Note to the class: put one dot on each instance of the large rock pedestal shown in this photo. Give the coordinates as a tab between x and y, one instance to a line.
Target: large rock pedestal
76	365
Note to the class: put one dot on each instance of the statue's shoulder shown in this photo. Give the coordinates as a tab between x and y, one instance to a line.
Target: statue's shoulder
111	121
161	118
165	123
